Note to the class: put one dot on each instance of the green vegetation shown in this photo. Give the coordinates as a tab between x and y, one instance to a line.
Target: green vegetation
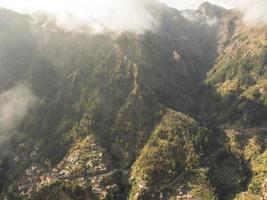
126	116
259	171
174	146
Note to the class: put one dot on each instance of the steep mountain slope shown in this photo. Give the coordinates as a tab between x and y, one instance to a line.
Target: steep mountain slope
135	116
238	79
177	145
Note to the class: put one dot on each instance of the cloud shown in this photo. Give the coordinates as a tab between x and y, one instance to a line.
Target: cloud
198	18
14	105
193	4
97	15
255	11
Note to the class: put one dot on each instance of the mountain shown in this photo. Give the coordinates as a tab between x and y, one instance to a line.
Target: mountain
175	113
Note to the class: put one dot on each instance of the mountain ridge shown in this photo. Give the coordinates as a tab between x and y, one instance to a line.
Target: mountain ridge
173	112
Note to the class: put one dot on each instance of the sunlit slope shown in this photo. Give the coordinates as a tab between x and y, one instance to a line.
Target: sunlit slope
172	112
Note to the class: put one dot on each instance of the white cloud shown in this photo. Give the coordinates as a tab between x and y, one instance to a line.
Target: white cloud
14	105
198	18
114	15
255	11
123	15
193	4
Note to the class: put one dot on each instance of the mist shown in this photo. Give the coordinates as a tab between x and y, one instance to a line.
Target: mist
97	16
14	105
254	11
197	18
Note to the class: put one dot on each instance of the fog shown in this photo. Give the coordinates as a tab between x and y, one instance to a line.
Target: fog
99	16
96	15
255	11
14	105
198	18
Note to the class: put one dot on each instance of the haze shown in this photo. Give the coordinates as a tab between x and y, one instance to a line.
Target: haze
123	15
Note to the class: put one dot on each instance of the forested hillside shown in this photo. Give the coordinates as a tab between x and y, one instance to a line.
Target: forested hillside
175	113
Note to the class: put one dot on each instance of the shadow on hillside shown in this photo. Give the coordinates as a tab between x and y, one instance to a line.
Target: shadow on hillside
230	112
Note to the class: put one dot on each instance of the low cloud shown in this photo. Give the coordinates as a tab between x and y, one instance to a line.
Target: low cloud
255	12
198	18
96	15
14	105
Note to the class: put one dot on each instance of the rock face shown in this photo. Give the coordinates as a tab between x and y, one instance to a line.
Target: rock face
212	10
178	113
